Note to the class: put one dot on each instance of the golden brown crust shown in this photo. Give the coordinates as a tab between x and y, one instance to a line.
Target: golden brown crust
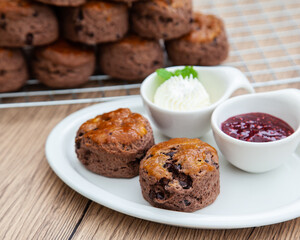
127	127
14	4
101	5
113	144
190	154
134	40
66	53
64	47
205	28
170	3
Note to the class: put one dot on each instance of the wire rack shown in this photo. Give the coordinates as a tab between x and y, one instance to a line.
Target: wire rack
264	36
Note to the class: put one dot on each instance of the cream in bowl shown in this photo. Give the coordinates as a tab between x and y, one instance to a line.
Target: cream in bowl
258	132
175	118
182	94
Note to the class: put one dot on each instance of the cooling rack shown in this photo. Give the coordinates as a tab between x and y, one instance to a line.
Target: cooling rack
264	36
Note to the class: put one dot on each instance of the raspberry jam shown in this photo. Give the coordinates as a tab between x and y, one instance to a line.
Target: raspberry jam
256	127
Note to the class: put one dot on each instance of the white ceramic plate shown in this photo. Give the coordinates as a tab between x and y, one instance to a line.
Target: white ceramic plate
246	200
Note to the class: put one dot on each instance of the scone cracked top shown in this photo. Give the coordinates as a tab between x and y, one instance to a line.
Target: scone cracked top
205	45
112	144
181	174
205	28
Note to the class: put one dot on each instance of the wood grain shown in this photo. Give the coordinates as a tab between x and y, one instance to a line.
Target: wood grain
35	204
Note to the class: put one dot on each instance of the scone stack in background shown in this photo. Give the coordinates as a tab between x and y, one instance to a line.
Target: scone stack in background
128	36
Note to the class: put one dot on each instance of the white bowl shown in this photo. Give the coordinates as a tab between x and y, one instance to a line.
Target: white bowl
220	83
259	156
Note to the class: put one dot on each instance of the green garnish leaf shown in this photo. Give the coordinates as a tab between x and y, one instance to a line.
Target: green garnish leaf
163	75
187	72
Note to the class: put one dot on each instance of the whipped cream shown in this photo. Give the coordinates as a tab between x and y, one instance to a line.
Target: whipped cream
182	94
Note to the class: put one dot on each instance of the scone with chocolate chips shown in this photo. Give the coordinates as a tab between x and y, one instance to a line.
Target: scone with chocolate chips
13	69
205	45
181	174
24	22
95	22
63	64
112	144
132	58
64	3
162	19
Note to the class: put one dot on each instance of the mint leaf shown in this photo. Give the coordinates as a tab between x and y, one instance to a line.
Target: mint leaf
163	75
187	71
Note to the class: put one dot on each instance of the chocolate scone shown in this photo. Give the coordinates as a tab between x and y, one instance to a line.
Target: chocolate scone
95	22
63	64
132	58
13	70
64	3
181	174
206	45
112	144
162	19
24	22
126	1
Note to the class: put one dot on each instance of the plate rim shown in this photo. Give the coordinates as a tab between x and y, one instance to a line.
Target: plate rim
181	219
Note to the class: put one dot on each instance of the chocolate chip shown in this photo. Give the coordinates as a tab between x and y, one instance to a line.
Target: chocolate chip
164	182
134	164
187	203
96	129
29	39
191	20
152	194
118	36
2	16
183	184
148	17
109	133
165	20
80	15
87	154
155	63
35	14
90	34
77	144
3	25
185	181
2	72
149	156
178	166
170	154
173	168
215	164
78	28
80	134
167	165
160	195
214	41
